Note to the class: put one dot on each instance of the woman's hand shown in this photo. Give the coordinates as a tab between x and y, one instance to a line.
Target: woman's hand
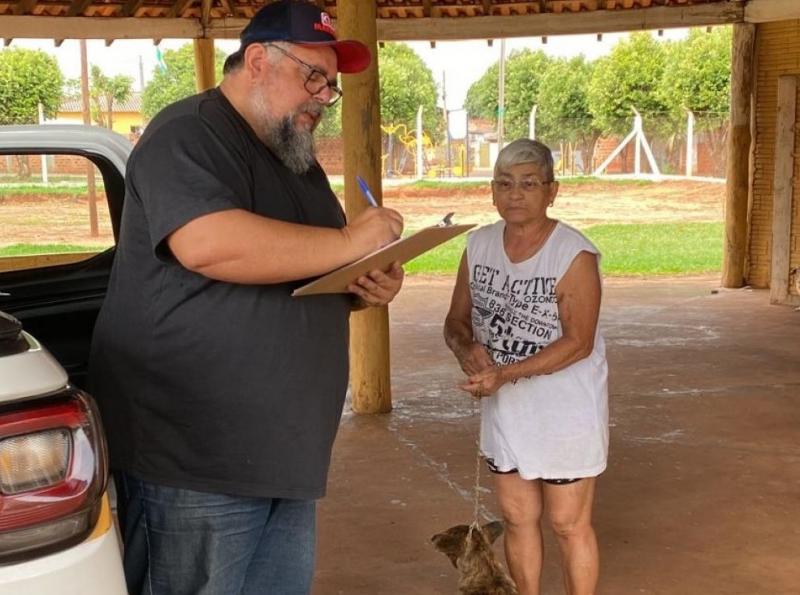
474	358
487	382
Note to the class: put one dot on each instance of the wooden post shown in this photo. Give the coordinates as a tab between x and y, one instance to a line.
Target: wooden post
782	186
204	64
738	168
369	328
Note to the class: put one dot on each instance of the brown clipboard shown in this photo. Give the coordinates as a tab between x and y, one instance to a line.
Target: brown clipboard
401	251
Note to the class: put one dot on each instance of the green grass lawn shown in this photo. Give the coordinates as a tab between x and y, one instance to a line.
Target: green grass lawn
628	250
31	249
57	189
659	248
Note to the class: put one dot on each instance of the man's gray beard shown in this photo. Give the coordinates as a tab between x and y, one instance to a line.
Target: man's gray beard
293	146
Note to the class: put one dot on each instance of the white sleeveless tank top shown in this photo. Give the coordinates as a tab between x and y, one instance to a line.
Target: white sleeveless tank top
553	426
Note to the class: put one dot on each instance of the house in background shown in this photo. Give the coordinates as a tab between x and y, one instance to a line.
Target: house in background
127	118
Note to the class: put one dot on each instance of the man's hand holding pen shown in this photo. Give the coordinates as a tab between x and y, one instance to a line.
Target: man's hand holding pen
381	226
374	228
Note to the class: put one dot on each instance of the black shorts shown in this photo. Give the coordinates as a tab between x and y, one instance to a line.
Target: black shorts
557	482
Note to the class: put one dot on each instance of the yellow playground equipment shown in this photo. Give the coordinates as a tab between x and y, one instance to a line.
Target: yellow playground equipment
409	140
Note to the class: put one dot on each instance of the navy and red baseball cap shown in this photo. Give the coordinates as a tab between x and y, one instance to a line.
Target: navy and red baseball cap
302	23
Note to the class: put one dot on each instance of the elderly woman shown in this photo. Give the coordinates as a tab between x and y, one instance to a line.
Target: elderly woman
523	326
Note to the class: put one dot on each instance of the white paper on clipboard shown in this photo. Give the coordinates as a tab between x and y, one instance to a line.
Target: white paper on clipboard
401	251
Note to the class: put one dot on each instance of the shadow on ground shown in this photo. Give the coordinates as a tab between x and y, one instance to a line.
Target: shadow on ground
703	486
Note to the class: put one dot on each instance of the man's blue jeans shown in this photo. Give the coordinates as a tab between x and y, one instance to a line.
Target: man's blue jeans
183	542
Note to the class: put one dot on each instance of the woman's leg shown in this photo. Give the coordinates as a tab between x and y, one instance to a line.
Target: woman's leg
521	505
569	509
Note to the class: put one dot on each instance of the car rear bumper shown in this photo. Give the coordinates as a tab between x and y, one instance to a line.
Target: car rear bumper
93	567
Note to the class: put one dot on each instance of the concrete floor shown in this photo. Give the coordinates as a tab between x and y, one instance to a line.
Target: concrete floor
702	493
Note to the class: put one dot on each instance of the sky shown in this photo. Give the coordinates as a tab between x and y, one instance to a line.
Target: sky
461	62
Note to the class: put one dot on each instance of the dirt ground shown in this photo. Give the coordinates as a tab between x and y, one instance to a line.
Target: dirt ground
53	219
702	491
579	205
65	220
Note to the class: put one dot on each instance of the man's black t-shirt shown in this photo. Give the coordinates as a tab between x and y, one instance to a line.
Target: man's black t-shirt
203	384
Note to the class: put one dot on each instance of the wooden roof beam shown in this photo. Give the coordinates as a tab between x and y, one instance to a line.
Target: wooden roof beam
38	27
537	25
763	11
77	7
420	29
205	12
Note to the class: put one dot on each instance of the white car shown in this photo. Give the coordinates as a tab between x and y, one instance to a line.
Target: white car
57	531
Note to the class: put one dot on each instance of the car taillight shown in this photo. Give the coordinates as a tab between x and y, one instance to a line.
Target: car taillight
53	472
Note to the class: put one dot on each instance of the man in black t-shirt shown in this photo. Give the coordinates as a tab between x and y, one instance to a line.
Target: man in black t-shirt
222	394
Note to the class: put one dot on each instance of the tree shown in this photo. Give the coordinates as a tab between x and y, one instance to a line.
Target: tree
104	91
629	77
28	78
405	84
176	79
697	77
524	70
563	114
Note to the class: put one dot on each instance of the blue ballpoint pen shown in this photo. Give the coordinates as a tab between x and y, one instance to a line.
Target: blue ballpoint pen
366	191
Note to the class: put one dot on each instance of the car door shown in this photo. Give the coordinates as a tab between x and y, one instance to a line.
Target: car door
61	195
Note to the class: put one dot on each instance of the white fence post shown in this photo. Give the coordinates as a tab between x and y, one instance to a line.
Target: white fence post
420	173
637	154
637	134
646	146
43	157
532	123
689	144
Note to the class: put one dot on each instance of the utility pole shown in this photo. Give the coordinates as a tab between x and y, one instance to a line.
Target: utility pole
141	75
446	124
87	119
466	144
501	96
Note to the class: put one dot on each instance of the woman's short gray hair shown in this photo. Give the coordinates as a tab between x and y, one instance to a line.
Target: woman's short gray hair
525	150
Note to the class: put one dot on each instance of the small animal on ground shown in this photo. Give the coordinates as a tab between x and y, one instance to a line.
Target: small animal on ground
469	548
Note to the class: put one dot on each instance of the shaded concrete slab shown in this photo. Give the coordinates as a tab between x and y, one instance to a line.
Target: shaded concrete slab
702	492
